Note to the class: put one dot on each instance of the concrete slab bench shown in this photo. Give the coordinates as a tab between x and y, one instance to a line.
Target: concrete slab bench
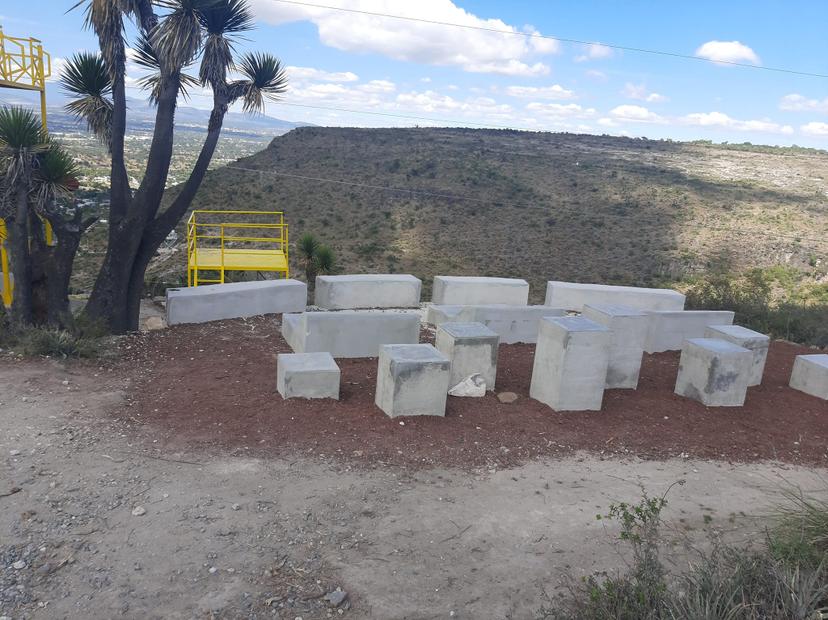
465	290
629	333
570	367
755	342
214	302
349	333
714	372
307	375
512	323
347	292
810	375
472	349
668	330
574	296
412	379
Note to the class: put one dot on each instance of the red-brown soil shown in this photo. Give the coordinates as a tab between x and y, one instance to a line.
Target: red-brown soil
214	386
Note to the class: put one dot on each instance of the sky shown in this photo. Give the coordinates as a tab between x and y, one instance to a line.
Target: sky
355	69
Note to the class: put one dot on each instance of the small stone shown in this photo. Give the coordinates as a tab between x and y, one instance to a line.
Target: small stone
19	565
65	382
14	452
336	598
473	386
139	511
235	507
507	397
154	323
212	570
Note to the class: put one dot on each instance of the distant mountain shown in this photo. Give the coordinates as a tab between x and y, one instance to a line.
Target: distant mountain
141	117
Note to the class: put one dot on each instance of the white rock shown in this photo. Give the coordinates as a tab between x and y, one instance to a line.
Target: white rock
19	565
473	386
14	452
139	511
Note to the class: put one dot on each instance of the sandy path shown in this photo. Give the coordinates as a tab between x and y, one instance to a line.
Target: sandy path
403	543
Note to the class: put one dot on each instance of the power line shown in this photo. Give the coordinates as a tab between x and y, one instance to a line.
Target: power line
537	35
468	198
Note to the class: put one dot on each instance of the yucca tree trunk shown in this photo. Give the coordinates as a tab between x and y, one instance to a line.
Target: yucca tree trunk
22	310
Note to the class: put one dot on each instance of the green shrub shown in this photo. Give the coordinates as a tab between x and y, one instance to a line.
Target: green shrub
44	341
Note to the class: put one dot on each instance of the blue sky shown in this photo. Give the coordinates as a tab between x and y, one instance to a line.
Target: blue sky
366	63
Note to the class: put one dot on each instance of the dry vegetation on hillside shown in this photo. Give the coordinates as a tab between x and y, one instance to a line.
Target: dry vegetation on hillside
539	206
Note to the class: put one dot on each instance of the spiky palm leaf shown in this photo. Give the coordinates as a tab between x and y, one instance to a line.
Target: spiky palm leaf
144	56
21	140
177	40
54	178
307	246
222	22
325	260
86	78
266	79
106	19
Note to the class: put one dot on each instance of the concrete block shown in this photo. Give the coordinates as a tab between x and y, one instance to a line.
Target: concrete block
668	330
412	379
214	302
512	323
810	375
463	290
629	333
349	333
348	292
574	296
753	341
472	349
714	372
571	360
307	375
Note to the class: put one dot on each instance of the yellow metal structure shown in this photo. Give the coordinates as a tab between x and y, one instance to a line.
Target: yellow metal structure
222	241
5	278
24	66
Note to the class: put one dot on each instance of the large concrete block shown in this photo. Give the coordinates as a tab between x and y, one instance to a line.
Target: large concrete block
512	323
472	349
668	330
307	375
574	296
629	333
810	375
214	302
714	372
347	292
463	290
349	333
571	360
412	379
753	341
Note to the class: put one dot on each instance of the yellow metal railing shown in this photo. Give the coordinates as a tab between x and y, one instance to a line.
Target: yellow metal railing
221	241
4	266
24	64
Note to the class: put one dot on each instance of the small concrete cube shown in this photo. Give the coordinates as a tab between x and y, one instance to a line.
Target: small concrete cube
472	349
714	372
749	339
629	328
571	360
307	375
412	379
810	375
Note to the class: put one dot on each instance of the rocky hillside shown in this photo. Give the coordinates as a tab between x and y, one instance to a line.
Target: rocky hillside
539	206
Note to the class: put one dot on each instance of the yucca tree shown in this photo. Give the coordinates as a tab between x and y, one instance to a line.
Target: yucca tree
184	33
21	142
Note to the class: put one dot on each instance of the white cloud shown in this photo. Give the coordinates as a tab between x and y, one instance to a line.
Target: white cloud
560	110
556	91
800	103
595	51
596	75
640	93
720	119
728	51
476	51
636	113
815	129
378	86
310	73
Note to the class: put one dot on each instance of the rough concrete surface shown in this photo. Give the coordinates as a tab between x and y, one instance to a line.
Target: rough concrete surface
755	342
512	323
214	302
345	292
668	330
714	372
473	290
307	375
472	349
412	379
574	296
228	536
629	333
810	375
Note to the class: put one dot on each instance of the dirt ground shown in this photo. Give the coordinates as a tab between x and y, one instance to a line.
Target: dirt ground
219	505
